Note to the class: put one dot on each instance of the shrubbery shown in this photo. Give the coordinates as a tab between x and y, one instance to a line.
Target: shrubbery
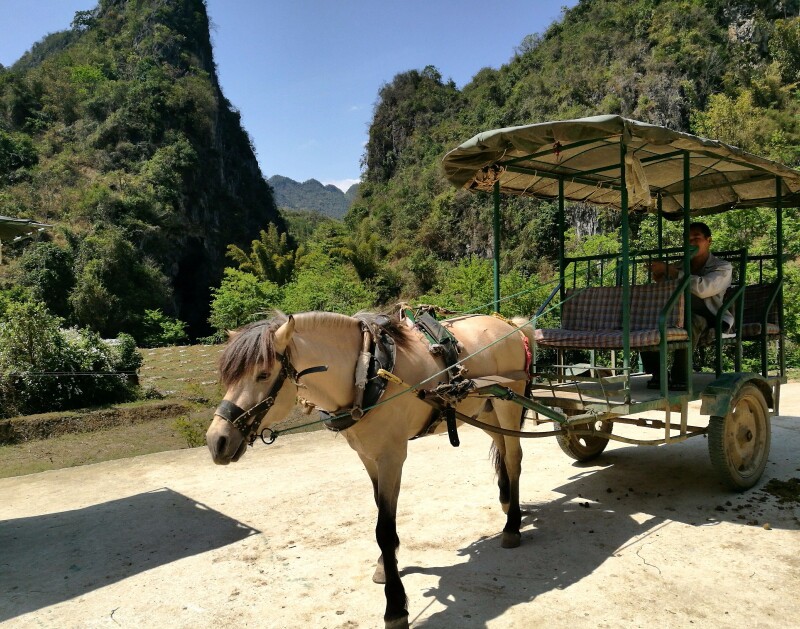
45	368
160	330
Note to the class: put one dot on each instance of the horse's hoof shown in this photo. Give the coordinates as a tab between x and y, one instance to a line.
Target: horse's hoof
397	623
380	574
510	540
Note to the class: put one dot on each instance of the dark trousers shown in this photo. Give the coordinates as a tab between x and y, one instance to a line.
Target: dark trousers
702	320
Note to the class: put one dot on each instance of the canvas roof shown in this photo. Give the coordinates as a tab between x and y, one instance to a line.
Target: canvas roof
528	160
12	227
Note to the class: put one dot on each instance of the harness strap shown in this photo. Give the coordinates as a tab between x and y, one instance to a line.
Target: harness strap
362	370
377	355
305	372
441	341
229	411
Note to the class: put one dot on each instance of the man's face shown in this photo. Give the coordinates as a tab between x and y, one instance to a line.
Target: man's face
697	239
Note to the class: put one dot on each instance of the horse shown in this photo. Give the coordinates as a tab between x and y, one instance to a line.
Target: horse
262	367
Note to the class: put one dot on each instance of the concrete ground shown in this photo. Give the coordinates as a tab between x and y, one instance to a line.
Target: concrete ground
643	537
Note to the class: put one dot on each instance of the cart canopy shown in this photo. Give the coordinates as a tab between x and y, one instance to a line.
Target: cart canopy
13	227
586	154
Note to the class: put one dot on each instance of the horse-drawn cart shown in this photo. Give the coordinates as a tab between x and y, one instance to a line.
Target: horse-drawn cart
609	305
377	381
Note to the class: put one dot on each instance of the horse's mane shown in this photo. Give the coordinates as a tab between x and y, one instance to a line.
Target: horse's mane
390	322
254	343
250	345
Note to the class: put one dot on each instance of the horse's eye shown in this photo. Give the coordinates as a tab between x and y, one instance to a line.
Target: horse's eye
262	376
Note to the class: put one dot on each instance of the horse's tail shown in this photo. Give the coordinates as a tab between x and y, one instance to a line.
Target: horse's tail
497	459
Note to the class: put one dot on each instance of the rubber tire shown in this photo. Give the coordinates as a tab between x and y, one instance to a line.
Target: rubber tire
739	443
584	448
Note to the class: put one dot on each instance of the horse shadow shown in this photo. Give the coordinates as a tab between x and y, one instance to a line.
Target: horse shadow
47	559
602	510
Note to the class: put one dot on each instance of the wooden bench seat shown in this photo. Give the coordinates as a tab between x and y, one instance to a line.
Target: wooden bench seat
592	318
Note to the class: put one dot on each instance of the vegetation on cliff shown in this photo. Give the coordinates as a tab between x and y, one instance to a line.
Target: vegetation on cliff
116	132
716	68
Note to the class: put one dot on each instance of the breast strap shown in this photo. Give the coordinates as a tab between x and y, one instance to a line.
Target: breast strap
378	351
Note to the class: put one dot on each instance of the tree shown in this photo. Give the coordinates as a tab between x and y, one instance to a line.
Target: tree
48	270
17	153
242	298
270	258
324	284
114	286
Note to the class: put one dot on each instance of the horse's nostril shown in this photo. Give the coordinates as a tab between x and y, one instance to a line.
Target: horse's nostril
221	443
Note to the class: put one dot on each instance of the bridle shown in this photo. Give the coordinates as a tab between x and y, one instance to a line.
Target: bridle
241	419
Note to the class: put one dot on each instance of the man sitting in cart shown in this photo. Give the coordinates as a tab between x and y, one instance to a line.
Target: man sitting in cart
711	277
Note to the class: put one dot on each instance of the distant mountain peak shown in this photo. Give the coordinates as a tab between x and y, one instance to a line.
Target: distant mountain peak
313	195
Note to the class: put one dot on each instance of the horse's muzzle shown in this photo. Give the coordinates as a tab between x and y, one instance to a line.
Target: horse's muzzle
225	442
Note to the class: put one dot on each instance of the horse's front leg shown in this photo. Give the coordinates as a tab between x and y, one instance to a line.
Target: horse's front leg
386	475
372	469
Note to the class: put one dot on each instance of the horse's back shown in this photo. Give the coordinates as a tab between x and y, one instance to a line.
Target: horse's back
491	346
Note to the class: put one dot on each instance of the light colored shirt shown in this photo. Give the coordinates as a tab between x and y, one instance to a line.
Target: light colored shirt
711	283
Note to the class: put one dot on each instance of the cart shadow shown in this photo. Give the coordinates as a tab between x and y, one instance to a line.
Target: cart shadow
600	511
47	559
563	548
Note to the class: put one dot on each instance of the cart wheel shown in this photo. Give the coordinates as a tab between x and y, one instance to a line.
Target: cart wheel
739	442
580	447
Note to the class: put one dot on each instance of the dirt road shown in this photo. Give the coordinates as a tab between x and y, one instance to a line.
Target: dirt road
645	537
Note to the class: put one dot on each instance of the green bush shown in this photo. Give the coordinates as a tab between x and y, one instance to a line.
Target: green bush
325	284
44	368
242	298
193	428
159	330
48	270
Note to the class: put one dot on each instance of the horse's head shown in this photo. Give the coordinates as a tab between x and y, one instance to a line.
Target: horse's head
261	387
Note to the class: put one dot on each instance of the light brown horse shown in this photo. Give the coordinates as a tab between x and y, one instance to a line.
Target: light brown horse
263	366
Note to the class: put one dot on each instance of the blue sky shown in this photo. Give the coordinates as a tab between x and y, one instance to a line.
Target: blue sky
305	74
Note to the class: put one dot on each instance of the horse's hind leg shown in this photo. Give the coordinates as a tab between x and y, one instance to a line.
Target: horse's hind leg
508	464
498	458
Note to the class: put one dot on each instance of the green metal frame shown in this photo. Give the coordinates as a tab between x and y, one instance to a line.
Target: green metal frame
726	384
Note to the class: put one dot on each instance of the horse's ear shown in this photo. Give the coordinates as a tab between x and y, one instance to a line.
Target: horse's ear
283	335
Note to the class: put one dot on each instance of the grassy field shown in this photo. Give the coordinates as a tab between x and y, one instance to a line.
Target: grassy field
180	374
186	375
184	372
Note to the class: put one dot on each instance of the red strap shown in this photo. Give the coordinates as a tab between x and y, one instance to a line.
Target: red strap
528	354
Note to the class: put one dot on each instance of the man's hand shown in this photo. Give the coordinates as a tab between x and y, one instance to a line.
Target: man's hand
662	270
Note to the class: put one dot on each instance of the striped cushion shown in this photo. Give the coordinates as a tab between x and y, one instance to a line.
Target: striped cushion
592	318
603	339
755	296
753	330
647	300
596	308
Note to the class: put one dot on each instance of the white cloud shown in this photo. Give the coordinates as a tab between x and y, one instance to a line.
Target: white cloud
342	184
